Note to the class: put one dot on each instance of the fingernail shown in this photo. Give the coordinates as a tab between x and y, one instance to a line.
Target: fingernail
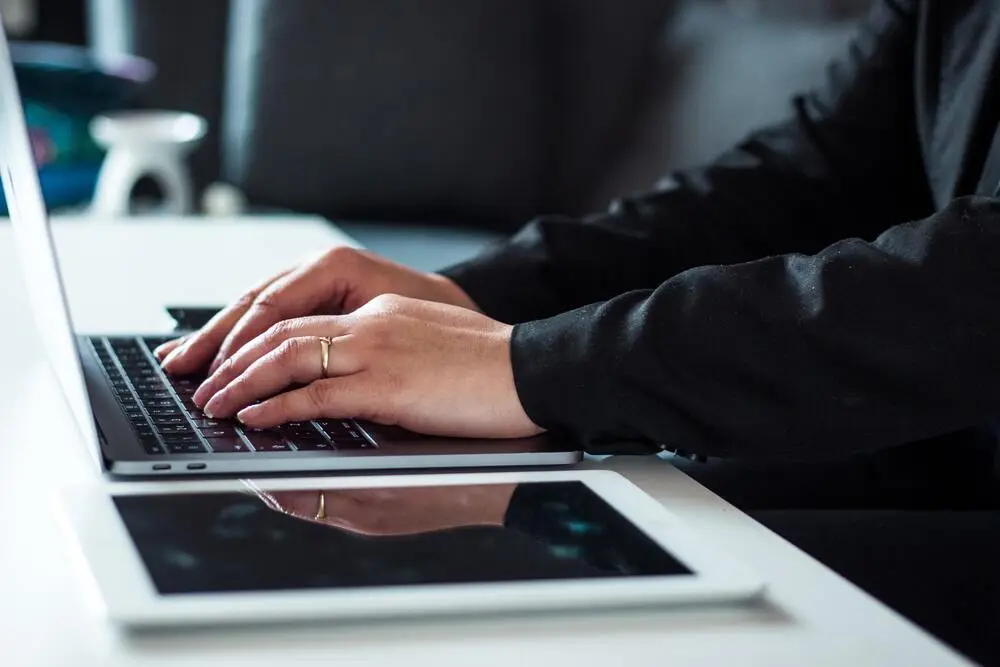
201	393
171	358
177	353
248	413
212	407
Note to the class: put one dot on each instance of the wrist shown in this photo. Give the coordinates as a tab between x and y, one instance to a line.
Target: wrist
518	414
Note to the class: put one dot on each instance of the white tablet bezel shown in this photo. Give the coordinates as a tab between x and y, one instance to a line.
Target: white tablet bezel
131	599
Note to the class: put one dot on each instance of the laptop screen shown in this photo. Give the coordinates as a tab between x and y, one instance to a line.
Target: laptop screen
36	250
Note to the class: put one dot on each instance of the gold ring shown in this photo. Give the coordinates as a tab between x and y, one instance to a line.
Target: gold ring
321	511
325	342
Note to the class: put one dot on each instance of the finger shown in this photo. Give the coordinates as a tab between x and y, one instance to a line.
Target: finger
296	361
298	293
303	504
267	497
336	398
164	349
200	346
266	342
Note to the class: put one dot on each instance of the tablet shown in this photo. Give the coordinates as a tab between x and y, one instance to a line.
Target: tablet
238	551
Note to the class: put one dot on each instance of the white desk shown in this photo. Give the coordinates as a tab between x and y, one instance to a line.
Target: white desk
48	609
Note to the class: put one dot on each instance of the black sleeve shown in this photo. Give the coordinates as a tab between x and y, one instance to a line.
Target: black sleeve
860	346
846	162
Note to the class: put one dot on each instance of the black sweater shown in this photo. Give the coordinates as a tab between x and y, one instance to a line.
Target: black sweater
830	285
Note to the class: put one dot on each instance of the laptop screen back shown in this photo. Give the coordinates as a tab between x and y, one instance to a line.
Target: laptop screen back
36	249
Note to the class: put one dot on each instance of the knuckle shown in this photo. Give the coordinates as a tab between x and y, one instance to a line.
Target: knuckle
372	329
279	332
227	367
287	351
267	300
247	299
384	307
339	255
385	303
319	394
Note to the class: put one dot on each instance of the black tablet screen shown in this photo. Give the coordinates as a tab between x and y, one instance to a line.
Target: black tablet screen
254	540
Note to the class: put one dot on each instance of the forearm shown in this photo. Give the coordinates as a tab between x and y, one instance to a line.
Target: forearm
860	346
845	164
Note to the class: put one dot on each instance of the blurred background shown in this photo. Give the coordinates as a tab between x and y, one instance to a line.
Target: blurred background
425	128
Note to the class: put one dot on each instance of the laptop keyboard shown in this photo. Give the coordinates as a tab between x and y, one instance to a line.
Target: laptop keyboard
166	421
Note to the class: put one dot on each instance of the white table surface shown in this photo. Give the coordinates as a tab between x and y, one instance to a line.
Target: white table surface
49	611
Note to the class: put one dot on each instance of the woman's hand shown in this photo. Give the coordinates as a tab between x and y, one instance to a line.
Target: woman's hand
340	281
431	368
395	511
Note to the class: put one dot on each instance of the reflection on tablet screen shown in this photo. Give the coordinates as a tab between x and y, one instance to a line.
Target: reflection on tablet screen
338	538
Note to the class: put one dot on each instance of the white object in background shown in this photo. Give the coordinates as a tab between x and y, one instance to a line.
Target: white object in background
20	17
223	199
145	144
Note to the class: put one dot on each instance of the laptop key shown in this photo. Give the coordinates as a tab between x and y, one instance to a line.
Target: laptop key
350	443
154	342
153	447
170	420
277	447
301	434
180	437
321	445
176	429
131	359
154	395
296	435
185	447
336	428
230	445
164	413
267	441
220	431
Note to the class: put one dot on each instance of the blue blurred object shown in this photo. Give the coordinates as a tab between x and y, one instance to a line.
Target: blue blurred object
63	87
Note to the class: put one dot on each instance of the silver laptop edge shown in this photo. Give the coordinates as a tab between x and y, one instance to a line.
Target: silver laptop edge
86	387
36	249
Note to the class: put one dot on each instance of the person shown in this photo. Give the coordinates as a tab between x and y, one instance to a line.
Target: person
817	309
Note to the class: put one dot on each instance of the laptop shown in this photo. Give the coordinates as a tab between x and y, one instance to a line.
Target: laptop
140	422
